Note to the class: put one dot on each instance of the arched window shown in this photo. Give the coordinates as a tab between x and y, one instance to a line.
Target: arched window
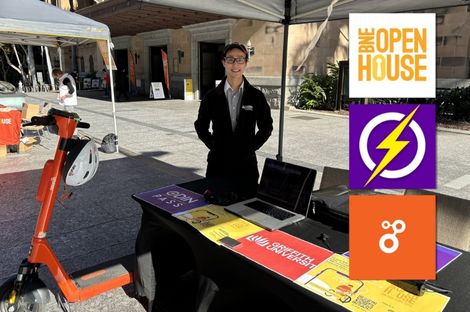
92	64
82	65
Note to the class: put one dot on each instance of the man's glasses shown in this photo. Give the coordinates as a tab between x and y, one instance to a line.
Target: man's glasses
238	60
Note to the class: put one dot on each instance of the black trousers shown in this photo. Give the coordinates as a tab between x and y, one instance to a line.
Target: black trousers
239	172
165	272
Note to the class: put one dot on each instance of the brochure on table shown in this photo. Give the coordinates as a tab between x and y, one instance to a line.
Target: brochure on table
329	279
172	199
215	223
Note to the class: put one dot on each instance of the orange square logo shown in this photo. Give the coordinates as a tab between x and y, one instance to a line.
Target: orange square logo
392	237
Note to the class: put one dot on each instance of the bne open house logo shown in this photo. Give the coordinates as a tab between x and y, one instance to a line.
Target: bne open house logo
392	55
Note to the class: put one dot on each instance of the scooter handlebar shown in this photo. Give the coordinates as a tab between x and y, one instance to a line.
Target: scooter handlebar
41	121
50	120
84	125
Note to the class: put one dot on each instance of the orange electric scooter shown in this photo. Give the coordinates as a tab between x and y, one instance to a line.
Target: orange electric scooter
25	291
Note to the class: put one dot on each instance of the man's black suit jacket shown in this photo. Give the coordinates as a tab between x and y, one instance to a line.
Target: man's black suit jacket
232	153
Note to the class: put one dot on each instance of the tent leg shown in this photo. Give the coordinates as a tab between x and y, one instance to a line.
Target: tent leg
49	68
283	91
110	69
61	58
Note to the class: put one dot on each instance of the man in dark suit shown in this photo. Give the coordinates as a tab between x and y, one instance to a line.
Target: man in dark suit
235	109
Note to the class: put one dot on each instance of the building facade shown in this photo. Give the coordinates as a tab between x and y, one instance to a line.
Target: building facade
193	51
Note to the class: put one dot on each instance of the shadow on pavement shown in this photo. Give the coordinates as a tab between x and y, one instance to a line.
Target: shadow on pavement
97	94
98	223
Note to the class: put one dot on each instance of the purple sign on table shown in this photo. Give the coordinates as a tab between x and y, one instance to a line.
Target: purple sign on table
392	146
173	199
445	256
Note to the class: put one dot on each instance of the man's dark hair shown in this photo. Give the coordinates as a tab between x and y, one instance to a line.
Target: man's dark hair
57	72
235	45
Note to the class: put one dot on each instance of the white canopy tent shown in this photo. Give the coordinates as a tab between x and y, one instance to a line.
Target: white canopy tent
304	11
33	22
289	12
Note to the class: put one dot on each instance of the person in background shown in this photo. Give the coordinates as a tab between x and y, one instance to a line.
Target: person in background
107	83
67	89
123	85
235	109
74	75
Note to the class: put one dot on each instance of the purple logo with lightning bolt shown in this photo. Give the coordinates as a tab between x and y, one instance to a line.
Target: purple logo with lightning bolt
392	146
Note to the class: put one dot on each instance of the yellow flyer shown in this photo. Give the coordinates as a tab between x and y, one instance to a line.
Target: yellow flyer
330	280
215	223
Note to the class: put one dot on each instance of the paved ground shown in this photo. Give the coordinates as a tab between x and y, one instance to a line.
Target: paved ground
158	147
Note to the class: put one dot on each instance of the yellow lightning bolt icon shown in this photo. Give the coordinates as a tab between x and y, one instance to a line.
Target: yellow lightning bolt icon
393	145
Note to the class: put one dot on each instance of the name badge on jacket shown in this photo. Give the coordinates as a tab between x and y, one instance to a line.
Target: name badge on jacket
247	107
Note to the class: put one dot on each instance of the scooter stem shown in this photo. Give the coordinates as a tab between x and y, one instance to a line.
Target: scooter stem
66	129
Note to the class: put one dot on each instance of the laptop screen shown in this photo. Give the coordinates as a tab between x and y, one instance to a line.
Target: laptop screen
286	185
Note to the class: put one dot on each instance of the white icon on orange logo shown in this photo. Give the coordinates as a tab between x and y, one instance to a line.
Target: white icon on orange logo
398	227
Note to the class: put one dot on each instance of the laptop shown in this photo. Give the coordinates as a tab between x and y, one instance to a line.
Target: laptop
282	198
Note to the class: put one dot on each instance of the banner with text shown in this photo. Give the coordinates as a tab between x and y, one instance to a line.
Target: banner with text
103	48
282	253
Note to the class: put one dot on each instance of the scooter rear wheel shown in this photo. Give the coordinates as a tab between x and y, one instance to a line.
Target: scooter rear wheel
20	305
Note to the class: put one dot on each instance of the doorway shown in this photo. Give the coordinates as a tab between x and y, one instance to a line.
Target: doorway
121	59
122	65
211	68
157	73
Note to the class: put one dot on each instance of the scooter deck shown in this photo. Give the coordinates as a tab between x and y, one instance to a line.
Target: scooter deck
103	272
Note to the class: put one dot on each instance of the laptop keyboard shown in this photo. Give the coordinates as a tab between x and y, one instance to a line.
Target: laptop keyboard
270	210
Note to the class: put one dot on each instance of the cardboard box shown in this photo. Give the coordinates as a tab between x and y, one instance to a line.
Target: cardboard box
26	144
3	151
30	110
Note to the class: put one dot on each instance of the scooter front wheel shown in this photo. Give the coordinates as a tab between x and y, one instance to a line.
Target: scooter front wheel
10	301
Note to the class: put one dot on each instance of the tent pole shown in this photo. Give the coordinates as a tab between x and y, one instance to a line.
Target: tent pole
110	69
61	58
286	22
49	68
